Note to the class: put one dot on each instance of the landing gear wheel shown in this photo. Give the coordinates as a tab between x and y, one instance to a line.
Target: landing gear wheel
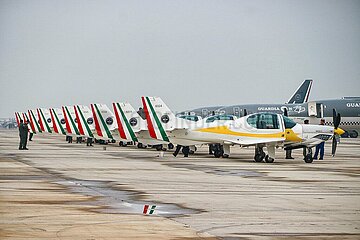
259	157
308	158
140	145
158	147
171	146
269	159
113	141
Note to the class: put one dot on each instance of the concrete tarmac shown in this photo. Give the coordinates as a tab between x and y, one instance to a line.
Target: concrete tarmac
58	190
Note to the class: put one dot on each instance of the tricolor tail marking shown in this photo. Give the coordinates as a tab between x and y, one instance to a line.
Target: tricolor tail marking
156	129
82	121
70	124
120	121
43	123
147	211
56	122
34	120
100	128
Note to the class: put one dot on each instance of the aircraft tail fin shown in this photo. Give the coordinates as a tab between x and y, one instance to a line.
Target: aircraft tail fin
160	118
104	120
84	120
70	120
128	121
44	120
302	93
56	119
34	121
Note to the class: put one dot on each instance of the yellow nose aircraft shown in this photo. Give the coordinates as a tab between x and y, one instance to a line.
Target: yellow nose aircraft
260	130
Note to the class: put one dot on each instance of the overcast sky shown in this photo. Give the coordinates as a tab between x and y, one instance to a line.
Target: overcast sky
191	53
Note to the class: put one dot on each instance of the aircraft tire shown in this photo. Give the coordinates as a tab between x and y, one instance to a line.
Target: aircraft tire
308	158
140	145
259	157
354	134
217	154
269	159
171	146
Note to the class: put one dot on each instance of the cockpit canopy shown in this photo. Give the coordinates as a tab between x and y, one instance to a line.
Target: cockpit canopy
220	117
190	117
264	121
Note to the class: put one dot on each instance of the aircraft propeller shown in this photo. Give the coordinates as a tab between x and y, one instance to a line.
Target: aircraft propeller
336	122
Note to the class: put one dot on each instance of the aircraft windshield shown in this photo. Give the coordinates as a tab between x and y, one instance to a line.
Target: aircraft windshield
219	117
263	121
289	123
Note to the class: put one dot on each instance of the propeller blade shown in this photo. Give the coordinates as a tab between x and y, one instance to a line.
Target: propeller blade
334	116
333	147
338	120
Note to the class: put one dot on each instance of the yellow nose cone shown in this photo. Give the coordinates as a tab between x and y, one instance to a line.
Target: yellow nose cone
339	131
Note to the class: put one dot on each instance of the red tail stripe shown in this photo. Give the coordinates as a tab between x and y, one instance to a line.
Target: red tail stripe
67	124
31	122
53	120
148	120
97	126
40	120
81	130
120	126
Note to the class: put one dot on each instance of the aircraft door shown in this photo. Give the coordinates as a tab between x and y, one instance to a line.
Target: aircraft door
315	109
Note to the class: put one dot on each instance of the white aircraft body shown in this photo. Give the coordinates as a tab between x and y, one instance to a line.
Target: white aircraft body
260	129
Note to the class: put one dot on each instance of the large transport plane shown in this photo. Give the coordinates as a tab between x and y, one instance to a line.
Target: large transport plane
299	109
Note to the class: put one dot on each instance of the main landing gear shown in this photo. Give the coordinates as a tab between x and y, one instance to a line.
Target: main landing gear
221	150
260	155
308	155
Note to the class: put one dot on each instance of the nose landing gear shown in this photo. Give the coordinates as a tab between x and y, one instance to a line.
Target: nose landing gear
308	156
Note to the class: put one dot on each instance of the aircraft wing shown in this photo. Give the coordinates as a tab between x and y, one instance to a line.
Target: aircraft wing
251	142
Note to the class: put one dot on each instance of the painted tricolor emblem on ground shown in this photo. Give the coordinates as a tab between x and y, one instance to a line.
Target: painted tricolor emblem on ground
149	209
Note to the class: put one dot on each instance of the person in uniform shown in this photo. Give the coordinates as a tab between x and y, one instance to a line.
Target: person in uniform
89	141
306	121
23	133
320	147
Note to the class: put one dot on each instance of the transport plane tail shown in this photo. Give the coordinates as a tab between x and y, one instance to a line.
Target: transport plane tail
128	121
104	120
301	94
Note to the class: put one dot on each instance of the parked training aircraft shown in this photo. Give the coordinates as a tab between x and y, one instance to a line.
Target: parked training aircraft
260	129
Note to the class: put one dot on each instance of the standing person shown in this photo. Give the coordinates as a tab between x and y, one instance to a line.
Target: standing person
288	154
306	121
78	139
70	138
320	147
23	133
31	136
89	141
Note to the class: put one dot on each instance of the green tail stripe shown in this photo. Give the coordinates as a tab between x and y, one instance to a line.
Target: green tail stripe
44	120
86	124
37	124
72	121
103	122
132	134
59	123
152	209
158	123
